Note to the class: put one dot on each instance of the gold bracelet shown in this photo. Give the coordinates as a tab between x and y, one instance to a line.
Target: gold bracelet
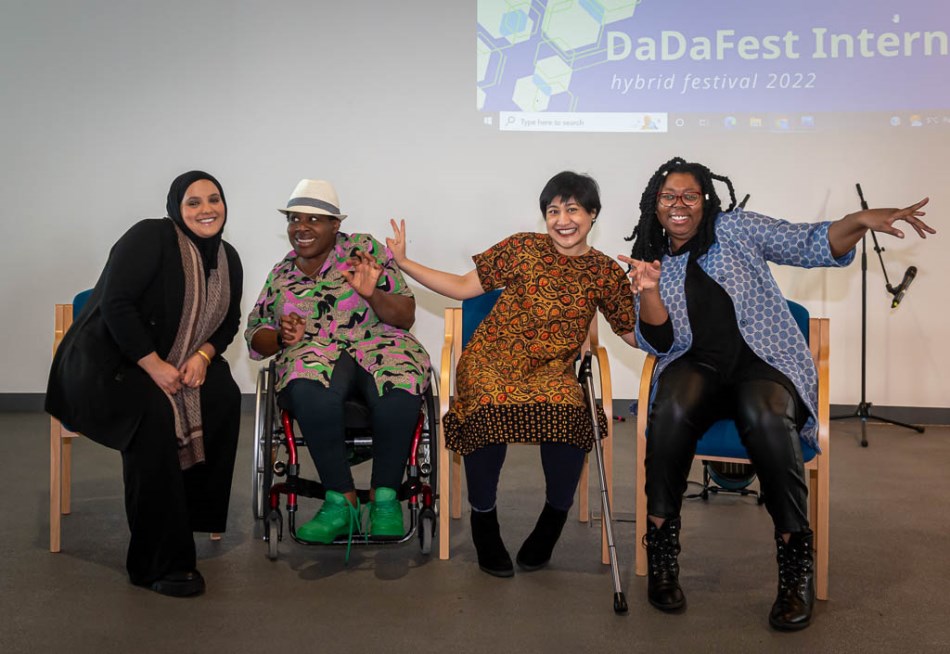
204	355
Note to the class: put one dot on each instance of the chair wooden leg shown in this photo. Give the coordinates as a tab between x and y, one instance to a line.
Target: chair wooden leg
67	474
55	485
444	501
641	511
822	535
583	492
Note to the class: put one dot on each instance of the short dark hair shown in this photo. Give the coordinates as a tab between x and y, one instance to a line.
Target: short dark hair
567	185
649	239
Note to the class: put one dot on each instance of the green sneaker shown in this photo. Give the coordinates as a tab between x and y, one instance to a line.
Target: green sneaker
337	517
385	516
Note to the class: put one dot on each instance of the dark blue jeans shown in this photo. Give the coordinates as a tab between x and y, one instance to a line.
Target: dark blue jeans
562	465
319	412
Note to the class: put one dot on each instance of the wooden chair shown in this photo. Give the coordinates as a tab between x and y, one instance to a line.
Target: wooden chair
460	324
60	437
721	443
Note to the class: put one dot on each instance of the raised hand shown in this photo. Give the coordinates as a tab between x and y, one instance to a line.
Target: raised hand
397	244
363	273
882	220
644	276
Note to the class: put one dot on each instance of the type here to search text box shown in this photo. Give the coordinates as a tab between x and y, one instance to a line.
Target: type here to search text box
543	121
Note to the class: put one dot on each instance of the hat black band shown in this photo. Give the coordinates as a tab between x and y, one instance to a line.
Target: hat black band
313	202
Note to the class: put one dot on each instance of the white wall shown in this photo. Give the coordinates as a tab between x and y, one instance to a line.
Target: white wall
105	102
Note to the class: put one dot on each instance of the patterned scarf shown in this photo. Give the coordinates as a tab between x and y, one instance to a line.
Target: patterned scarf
204	307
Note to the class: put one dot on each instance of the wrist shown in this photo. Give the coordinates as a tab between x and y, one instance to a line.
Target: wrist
204	355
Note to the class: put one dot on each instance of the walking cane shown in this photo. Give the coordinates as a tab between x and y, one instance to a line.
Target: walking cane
587	383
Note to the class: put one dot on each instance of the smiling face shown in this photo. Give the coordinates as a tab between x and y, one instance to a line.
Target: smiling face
680	220
312	236
202	209
568	225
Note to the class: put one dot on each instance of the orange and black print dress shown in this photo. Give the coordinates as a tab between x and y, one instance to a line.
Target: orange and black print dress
515	379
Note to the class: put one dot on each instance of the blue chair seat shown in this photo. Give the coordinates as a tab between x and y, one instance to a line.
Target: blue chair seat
722	440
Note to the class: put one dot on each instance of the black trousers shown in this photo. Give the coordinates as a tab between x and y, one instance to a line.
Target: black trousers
320	414
690	397
164	504
562	464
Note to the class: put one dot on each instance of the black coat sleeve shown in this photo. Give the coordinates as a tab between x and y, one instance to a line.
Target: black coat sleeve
134	264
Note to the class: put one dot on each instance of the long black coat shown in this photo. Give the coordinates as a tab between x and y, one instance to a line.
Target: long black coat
95	385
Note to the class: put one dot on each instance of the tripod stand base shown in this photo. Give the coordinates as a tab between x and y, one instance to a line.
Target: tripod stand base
863	411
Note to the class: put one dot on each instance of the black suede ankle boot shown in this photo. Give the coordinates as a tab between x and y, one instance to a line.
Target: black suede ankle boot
663	546
493	558
796	582
538	546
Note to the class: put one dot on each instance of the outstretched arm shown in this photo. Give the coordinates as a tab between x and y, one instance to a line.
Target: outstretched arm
457	287
844	234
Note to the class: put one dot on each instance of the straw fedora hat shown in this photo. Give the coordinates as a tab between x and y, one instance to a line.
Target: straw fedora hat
314	196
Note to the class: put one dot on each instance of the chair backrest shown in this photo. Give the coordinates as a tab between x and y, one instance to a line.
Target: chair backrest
474	311
80	301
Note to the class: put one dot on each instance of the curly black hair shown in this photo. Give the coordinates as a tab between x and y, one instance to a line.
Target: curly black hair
649	237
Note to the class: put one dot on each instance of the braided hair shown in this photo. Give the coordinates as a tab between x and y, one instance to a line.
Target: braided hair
649	237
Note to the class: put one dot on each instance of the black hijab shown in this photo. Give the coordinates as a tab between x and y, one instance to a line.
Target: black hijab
208	247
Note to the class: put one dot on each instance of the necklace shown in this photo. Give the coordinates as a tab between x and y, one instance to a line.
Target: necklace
313	273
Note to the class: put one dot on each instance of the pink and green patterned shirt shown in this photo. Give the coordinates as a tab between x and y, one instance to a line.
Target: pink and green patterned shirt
339	320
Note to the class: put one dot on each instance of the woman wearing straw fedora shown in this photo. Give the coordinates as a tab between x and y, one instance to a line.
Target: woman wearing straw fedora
336	312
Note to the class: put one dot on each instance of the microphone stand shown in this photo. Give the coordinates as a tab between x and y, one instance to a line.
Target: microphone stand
863	410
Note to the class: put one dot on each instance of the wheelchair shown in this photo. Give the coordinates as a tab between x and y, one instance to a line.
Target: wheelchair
276	469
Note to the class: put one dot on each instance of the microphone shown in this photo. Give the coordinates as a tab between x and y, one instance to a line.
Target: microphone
741	205
864	203
901	289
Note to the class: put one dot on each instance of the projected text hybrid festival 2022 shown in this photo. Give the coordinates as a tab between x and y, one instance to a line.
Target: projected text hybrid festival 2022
655	58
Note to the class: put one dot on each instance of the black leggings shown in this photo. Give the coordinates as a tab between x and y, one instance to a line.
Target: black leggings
562	464
319	412
690	397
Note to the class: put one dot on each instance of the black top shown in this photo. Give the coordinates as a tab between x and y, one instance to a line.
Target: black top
717	341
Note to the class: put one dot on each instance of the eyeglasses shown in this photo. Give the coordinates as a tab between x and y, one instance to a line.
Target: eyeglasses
690	198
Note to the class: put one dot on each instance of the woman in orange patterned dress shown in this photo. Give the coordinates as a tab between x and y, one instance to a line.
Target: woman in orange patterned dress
516	379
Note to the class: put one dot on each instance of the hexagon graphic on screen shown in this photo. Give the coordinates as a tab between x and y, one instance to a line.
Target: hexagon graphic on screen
575	24
506	19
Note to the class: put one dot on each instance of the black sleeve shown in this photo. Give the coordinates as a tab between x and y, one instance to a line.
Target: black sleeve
658	336
134	263
225	333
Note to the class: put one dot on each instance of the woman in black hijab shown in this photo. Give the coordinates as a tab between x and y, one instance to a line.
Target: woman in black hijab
141	371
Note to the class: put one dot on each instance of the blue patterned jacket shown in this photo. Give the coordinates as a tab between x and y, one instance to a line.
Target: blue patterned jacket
738	261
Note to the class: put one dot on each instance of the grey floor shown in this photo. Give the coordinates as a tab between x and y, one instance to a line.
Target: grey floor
889	567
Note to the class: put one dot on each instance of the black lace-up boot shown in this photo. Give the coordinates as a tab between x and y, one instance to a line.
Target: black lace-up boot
663	546
493	557
796	582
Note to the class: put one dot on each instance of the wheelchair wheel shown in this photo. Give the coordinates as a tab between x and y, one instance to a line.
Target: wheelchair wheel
274	521
262	465
426	530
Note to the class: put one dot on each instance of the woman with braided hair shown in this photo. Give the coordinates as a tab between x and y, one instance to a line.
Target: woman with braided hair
710	310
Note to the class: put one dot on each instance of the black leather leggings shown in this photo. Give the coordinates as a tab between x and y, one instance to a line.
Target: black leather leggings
689	399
